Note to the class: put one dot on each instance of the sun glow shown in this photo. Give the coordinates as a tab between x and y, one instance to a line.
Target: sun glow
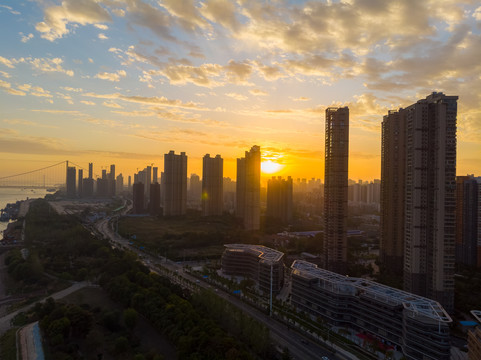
270	167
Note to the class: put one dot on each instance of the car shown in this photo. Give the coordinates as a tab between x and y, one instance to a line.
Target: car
324	358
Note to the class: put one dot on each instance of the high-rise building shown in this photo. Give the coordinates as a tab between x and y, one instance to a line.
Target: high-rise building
88	187
102	187
478	180
119	184
393	175
154	201
466	220
212	185
194	192
279	199
80	182
71	185
155	176
112	172
229	195
138	198
175	184
91	171
148	181
424	164
248	188
335	189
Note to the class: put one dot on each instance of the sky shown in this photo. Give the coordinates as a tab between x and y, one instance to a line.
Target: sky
125	81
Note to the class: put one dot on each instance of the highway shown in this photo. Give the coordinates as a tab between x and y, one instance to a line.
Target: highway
300	347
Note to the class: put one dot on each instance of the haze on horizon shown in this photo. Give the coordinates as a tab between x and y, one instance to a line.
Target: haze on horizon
123	82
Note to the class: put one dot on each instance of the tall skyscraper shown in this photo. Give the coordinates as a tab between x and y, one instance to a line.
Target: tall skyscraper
248	188
71	185
80	182
478	180
155	175
154	201
279	199
194	193
175	184
335	189
91	171
119	184
212	186
393	175
466	220
138	206
425	161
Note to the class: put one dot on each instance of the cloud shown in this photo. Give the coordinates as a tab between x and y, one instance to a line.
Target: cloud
50	65
186	14
111	104
38	91
147	16
222	12
102	36
238	72
111	76
57	111
25	38
258	92
85	102
68	88
83	12
5	74
9	8
28	123
237	96
477	13
301	98
155	100
8	63
7	87
101	26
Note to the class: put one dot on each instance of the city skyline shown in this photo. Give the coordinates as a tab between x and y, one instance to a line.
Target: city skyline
125	82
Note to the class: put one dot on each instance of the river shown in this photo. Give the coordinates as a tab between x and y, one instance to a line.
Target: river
12	195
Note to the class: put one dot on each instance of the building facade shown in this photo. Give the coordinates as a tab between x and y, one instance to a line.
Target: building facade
466	220
256	262
175	184
430	198
71	181
248	188
138	198
393	171
335	188
419	326
279	199
212	186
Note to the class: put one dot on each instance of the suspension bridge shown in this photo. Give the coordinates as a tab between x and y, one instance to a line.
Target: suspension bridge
48	177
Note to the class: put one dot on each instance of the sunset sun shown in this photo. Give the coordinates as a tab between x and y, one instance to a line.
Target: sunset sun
270	167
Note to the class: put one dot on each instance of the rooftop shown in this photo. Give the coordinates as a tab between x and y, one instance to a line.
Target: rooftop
367	288
262	252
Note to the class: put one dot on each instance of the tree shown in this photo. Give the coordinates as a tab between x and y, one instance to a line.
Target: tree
130	318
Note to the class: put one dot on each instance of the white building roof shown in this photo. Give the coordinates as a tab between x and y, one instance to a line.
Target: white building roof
366	288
